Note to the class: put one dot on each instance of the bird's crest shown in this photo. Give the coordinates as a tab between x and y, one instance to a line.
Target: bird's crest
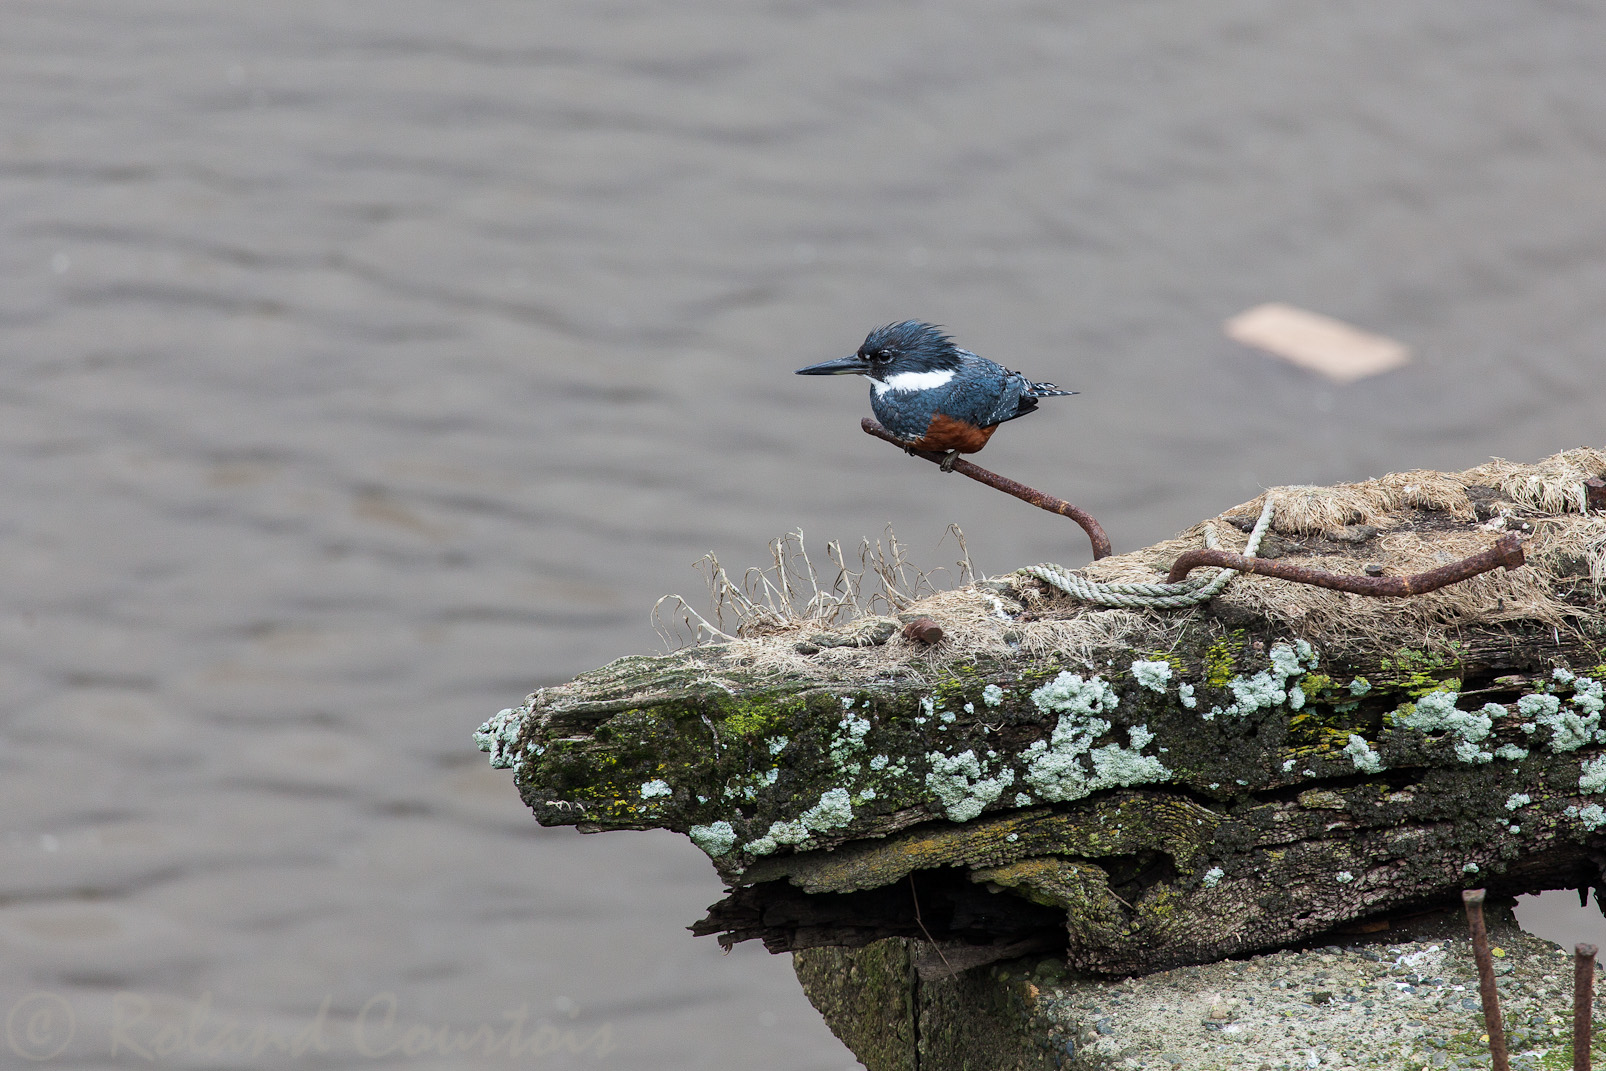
915	342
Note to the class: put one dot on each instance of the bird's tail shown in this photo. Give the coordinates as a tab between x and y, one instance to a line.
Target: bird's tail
1046	390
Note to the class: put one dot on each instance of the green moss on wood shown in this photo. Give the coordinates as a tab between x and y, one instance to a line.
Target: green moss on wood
1221	660
1415	672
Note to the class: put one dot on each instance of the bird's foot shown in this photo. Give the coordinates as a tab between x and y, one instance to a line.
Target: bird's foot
947	464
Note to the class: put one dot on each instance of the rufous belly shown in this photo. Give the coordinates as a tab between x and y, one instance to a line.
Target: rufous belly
946	433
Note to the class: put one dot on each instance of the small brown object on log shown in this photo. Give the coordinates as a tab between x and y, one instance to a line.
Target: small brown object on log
1595	493
923	630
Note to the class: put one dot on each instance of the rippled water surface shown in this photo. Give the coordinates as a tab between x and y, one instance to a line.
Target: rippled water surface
368	364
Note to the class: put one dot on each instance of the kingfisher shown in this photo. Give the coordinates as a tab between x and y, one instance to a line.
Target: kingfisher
932	395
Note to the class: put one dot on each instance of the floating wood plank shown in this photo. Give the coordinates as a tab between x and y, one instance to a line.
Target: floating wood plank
1330	347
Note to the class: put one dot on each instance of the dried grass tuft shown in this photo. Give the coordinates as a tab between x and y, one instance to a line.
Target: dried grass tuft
1554	485
792	594
1306	510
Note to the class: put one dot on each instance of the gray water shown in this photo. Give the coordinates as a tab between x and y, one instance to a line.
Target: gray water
369	364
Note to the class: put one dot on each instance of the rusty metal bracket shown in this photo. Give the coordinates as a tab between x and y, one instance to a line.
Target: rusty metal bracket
1507	551
1095	533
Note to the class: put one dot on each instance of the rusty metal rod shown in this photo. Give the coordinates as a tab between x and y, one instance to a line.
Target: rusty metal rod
1473	899
1095	533
1583	1003
1506	552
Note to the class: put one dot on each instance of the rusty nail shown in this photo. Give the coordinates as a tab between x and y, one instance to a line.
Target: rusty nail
1583	1002
923	630
1595	493
1095	533
1473	899
1507	552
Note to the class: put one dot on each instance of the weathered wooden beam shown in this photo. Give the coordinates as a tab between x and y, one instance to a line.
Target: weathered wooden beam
1132	790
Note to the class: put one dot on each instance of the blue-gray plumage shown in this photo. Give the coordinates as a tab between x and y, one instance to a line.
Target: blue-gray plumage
932	395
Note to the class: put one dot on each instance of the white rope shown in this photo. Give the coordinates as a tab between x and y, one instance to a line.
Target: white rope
1136	596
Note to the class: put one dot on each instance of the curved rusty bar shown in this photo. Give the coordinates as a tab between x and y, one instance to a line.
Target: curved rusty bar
1507	552
1095	534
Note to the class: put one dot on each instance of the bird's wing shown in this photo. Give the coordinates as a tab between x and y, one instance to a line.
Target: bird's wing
983	393
1014	399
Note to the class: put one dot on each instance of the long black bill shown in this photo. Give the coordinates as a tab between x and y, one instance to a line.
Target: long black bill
850	365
